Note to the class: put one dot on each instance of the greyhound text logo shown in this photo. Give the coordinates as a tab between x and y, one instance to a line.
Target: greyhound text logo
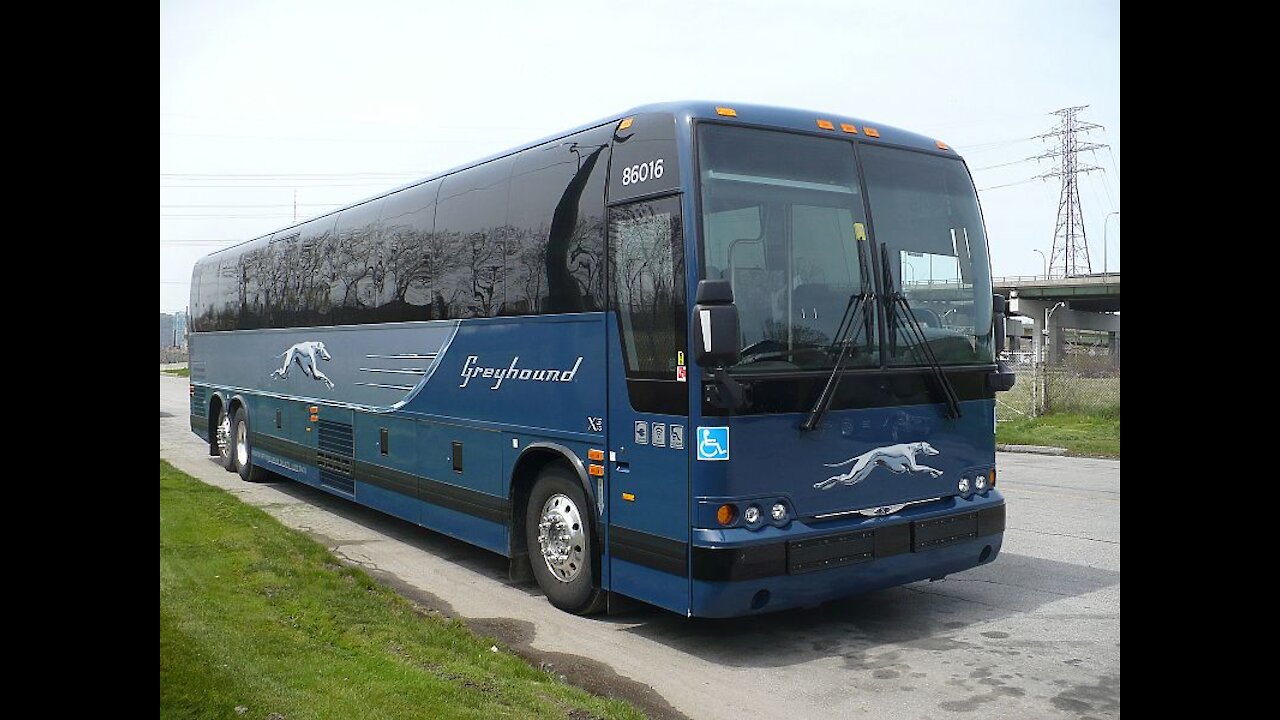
513	372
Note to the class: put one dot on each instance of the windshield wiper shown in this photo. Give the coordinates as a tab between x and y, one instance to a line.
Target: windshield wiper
759	356
857	301
894	300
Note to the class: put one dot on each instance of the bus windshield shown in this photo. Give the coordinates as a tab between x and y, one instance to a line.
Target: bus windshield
925	211
779	213
782	215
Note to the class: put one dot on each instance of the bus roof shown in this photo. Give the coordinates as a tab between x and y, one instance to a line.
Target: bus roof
688	110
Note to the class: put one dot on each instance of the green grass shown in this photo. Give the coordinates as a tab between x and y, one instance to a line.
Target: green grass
254	614
179	372
1096	435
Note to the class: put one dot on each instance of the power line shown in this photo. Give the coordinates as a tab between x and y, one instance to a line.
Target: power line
992	167
224	216
323	176
286	185
268	205
997	187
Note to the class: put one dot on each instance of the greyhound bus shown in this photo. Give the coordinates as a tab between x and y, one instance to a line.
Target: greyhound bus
722	359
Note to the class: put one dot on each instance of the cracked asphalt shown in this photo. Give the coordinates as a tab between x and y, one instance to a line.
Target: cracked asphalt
1035	634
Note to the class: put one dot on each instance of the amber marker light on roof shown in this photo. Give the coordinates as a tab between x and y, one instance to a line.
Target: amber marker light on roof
849	128
826	125
625	123
727	112
941	145
871	132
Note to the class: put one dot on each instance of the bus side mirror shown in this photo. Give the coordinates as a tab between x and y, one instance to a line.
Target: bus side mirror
716	338
999	315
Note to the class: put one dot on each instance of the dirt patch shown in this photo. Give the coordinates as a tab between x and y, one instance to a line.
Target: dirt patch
517	636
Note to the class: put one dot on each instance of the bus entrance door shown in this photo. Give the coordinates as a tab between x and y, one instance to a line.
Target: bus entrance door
648	496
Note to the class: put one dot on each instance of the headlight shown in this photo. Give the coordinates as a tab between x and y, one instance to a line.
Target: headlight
778	512
752	515
980	483
963	485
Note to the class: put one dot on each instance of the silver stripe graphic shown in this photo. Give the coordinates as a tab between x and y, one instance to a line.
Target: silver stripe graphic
404	356
388	387
824	516
401	371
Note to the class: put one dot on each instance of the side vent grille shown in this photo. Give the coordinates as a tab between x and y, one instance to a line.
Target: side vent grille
337	447
200	401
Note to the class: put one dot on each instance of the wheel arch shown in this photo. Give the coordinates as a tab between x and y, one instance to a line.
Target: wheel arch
524	473
216	401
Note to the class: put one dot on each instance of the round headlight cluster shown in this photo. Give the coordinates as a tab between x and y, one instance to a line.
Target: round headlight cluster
752	515
980	483
963	485
778	512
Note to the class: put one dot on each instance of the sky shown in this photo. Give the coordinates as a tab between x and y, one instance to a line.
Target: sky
268	103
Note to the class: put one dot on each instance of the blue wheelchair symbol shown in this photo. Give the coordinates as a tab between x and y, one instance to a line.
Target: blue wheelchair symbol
713	443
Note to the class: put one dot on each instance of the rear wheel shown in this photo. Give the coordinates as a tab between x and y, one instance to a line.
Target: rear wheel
243	450
561	549
222	440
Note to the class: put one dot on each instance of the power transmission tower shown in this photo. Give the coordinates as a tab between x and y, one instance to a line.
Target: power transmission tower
1070	254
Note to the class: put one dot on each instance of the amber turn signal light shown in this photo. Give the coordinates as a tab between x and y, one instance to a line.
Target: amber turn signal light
726	514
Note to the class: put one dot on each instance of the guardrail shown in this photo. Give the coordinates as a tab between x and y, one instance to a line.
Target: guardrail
1056	279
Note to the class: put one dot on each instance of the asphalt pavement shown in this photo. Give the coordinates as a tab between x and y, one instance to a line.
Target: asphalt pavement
1036	634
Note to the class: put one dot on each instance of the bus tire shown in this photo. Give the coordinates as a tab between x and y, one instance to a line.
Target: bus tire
222	440
562	551
242	449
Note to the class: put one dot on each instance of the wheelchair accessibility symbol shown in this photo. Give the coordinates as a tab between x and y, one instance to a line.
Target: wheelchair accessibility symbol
713	443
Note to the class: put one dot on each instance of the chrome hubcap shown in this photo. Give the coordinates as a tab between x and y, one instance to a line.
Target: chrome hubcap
242	445
224	432
562	537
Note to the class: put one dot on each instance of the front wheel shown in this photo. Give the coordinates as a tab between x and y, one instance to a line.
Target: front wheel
561	549
243	450
222	440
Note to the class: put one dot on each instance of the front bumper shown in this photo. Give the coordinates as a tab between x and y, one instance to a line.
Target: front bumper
799	569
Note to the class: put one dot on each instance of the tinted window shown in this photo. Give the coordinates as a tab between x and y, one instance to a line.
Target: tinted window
556	226
647	257
411	260
471	219
351	267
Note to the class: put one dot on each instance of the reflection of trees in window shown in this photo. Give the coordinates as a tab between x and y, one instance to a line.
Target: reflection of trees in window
646	284
399	258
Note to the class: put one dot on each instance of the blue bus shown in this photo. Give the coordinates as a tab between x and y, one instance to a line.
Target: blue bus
720	359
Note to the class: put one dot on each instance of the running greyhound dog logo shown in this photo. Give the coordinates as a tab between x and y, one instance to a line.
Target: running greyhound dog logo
308	356
894	458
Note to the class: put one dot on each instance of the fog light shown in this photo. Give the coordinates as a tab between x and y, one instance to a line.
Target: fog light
963	485
980	483
779	512
752	515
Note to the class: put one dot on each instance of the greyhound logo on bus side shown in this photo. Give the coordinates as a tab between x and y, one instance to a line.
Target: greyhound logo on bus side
308	356
894	458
